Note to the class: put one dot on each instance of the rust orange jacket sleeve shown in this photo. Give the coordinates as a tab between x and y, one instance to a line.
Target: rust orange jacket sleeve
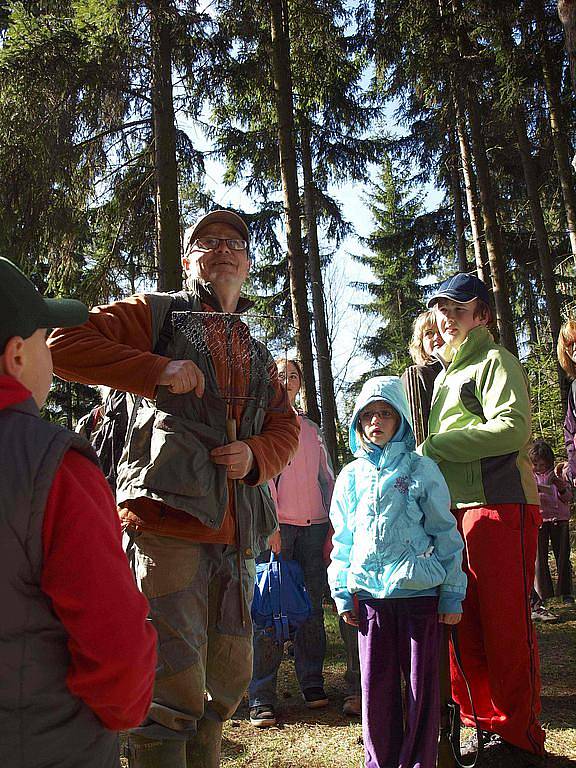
112	348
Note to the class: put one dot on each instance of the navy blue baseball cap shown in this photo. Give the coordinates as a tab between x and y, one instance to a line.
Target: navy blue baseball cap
461	288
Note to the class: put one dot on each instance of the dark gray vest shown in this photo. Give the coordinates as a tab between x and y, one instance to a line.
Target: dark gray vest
42	725
167	457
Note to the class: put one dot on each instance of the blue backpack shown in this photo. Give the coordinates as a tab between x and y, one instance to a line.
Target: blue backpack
281	603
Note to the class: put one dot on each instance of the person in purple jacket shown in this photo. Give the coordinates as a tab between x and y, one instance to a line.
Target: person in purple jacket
567	359
302	494
555	495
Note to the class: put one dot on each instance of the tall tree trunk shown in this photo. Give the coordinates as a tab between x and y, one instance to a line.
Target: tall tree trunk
542	244
288	168
567	14
456	190
472	203
325	377
561	150
496	259
531	305
166	170
469	103
458	112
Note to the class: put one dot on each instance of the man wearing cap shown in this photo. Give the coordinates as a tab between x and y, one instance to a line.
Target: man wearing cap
175	487
479	428
78	655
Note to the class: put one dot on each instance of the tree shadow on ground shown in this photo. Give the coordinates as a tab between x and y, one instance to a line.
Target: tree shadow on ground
556	761
232	748
559	710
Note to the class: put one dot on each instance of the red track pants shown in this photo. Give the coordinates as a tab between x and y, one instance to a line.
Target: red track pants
497	639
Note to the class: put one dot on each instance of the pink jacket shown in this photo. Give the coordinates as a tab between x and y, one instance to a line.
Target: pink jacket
554	503
303	491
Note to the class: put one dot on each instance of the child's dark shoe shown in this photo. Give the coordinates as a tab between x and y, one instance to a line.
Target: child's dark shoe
315	698
262	716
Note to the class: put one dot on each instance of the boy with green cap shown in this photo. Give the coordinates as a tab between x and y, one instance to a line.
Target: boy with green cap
479	429
78	655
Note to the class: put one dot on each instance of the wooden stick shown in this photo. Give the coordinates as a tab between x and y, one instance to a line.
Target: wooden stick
445	752
231	435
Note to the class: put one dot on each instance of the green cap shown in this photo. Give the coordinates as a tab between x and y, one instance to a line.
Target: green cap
23	309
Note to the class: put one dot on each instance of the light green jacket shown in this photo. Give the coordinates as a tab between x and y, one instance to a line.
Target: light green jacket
480	425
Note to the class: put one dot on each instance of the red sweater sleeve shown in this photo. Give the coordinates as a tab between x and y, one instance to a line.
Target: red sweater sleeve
87	576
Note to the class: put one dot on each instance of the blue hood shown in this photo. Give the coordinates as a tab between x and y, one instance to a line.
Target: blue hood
391	390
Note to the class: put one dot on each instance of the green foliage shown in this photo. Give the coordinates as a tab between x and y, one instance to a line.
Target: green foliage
77	191
400	248
548	411
67	402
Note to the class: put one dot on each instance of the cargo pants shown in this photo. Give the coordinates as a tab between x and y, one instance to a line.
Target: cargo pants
204	646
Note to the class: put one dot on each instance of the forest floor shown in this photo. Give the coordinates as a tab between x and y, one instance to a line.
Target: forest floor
326	738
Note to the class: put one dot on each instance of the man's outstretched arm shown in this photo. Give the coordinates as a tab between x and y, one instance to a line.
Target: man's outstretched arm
113	348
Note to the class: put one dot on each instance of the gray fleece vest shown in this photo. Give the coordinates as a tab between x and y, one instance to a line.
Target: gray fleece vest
42	725
167	455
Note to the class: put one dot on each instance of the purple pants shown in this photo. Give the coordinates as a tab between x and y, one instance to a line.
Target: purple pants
400	636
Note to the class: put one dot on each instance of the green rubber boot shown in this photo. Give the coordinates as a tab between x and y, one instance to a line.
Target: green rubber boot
154	753
203	751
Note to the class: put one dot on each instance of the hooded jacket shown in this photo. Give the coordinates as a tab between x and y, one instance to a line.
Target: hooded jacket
394	534
480	425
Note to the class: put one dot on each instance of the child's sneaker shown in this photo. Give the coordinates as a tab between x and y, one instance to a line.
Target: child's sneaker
263	716
539	613
352	705
315	698
491	742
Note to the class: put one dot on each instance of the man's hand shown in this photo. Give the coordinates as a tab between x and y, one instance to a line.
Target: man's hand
237	457
275	542
182	376
449	618
350	618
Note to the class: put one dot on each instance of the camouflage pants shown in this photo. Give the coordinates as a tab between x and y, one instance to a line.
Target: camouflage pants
204	649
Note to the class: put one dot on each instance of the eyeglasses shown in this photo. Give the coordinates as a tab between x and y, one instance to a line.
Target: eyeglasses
380	413
211	243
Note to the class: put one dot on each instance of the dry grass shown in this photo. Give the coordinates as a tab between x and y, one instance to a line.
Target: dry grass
316	738
327	739
558	666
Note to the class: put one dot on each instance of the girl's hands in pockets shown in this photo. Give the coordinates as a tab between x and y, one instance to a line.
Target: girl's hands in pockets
449	618
350	618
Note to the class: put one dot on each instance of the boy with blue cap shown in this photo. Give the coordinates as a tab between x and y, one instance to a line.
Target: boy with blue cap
479	429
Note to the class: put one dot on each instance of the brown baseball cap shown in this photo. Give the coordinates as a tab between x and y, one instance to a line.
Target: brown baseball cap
220	216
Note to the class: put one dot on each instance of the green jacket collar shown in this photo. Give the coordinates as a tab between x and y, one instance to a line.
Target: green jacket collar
478	339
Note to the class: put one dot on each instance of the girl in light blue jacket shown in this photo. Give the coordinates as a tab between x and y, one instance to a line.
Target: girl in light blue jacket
396	574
